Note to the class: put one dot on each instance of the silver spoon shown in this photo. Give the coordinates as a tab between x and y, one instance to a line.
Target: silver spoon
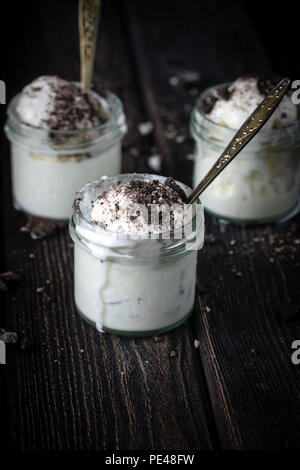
248	130
88	29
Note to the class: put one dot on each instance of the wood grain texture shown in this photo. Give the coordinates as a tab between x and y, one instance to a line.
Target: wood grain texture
245	342
73	388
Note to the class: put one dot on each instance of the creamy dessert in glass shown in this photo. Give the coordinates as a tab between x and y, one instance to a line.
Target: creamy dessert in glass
135	251
60	139
262	183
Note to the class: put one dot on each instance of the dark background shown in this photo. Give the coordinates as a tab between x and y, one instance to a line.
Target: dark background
141	45
23	23
233	38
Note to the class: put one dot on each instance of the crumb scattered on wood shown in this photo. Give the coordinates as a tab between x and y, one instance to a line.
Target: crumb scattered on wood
145	128
3	286
154	162
211	238
10	276
39	228
185	78
8	279
179	139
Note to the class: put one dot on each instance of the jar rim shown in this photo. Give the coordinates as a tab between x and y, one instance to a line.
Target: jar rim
79	218
265	132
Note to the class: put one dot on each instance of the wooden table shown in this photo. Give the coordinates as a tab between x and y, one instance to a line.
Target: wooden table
69	387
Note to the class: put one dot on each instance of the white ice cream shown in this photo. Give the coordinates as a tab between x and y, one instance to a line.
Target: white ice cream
244	97
37	102
262	183
49	102
62	145
125	285
118	211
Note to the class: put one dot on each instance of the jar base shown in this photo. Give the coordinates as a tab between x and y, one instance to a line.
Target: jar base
18	208
137	333
279	219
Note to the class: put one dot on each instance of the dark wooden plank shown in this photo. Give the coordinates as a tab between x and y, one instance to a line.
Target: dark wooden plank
248	278
144	79
245	338
71	387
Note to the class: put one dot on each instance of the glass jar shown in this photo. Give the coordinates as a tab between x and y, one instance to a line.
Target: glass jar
48	167
261	184
133	285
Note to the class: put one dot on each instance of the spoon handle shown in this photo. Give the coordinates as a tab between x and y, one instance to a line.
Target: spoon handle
248	130
88	29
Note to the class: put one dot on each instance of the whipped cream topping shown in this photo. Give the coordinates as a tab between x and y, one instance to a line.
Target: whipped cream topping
49	102
141	207
231	106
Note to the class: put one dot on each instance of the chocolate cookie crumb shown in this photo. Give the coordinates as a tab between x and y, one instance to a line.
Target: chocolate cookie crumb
8	280
39	227
208	103
72	109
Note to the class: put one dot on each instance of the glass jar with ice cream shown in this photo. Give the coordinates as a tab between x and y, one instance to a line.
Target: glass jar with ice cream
60	139
135	248
262	183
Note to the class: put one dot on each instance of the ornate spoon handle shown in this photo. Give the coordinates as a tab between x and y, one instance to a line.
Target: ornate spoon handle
88	28
248	130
